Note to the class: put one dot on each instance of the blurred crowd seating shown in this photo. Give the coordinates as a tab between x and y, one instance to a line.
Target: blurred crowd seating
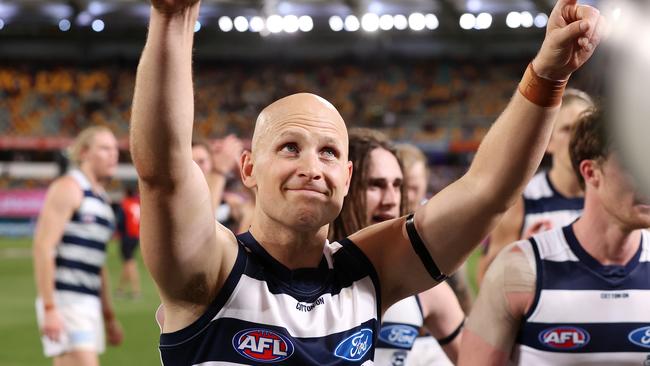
441	104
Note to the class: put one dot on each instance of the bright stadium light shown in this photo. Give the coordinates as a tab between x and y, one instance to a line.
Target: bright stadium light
256	24
400	22
526	19
64	25
541	20
483	21
370	22
431	21
274	24
84	19
467	21
336	23
474	5
241	24
352	23
386	22
305	23
513	20
290	24
98	25
225	24
197	26
417	22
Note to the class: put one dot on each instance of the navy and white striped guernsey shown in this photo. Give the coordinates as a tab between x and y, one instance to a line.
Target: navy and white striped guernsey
82	251
543	202
400	326
585	313
268	314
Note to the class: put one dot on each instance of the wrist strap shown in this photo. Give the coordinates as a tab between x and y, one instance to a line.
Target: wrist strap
450	338
542	92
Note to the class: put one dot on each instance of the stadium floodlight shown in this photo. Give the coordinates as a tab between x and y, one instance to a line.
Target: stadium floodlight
305	23
96	8
541	20
64	25
370	22
483	21
400	22
417	22
98	25
431	21
225	24
467	21
474	5
336	23
386	22
241	24
84	19
291	24
513	20
526	19
274	24
352	23
256	24
197	26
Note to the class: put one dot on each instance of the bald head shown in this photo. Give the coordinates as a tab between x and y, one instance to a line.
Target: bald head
303	110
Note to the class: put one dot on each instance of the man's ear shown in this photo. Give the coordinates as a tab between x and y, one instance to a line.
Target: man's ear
349	169
590	171
246	169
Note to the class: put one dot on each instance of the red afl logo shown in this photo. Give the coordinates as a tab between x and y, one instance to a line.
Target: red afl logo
562	338
262	345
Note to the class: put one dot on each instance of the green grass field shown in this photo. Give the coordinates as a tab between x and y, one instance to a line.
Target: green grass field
19	339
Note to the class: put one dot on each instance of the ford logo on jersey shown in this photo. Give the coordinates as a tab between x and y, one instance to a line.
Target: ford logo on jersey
566	337
354	347
401	336
262	345
640	337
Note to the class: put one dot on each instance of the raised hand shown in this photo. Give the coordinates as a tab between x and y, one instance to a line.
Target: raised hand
572	35
172	6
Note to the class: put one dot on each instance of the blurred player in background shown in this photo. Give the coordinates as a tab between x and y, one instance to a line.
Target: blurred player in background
73	306
376	194
552	199
576	295
129	230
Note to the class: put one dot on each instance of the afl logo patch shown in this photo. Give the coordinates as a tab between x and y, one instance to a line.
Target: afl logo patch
354	347
262	345
401	336
640	337
564	338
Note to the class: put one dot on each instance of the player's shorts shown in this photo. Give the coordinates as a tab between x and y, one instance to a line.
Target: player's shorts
127	247
83	324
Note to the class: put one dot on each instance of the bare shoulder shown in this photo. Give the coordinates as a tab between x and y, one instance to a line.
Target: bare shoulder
65	190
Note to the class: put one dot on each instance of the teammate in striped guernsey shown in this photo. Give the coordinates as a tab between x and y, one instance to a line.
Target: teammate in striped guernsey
552	199
73	305
377	194
281	292
576	295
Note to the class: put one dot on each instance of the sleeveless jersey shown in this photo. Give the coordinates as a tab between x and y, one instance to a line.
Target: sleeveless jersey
400	326
543	202
268	314
82	251
585	313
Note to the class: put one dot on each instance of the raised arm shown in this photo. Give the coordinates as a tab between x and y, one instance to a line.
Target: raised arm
188	255
454	221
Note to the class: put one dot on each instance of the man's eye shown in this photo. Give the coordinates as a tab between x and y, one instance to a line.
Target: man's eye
290	147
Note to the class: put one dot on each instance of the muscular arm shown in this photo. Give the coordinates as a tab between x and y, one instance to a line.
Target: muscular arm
188	255
454	221
506	295
507	231
442	316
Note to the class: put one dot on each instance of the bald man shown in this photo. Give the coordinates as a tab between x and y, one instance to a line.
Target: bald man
281	293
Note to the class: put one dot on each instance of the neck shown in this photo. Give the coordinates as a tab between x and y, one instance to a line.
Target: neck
293	248
608	242
92	178
565	182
